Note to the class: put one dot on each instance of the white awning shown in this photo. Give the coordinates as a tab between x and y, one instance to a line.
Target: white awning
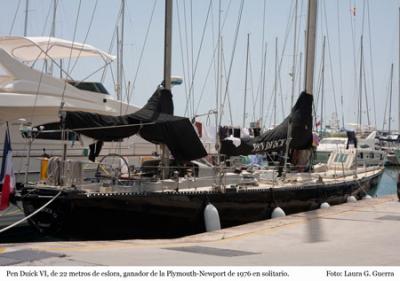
33	48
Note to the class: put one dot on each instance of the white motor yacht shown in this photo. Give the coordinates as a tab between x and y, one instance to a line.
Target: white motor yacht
29	97
367	154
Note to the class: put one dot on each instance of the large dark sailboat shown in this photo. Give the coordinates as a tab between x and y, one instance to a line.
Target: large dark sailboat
181	201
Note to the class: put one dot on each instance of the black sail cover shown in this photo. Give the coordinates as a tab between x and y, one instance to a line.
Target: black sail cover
276	139
154	122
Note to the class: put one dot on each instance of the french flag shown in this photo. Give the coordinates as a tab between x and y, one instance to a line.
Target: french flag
7	177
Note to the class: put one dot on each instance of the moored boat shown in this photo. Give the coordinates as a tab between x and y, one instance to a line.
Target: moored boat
177	201
167	208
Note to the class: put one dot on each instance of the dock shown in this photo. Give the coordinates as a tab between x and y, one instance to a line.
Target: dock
364	233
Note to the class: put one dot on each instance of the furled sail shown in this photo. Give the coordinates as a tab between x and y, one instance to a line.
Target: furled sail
300	120
154	122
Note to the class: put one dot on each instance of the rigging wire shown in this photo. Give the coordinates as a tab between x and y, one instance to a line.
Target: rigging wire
203	88
363	72
352	28
33	111
194	70
191	89
228	95
319	93
73	39
142	51
187	46
258	95
252	86
14	18
70	54
366	94
371	64
214	61
330	58
287	32
47	18
263	64
361	84
293	72
86	35
386	104
211	65
340	62
111	47
285	43
232	55
182	54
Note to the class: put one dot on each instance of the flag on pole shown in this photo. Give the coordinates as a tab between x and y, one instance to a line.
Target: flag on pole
7	178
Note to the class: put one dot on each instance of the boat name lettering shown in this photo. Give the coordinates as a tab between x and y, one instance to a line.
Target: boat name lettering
267	145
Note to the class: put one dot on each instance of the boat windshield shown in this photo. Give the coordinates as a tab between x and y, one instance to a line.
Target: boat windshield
340	158
333	141
96	87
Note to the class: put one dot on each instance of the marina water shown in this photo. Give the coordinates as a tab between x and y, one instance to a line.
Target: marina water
388	183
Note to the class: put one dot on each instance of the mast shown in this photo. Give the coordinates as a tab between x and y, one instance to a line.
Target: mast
167	76
294	54
360	90
167	44
263	68
399	79
120	52
218	113
26	17
117	83
300	68
245	81
53	22
53	32
390	98
309	65
322	83
276	80
310	47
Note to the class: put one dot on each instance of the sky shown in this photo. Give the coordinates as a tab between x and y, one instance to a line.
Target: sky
194	57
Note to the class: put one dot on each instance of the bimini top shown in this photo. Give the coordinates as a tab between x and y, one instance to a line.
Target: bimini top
33	48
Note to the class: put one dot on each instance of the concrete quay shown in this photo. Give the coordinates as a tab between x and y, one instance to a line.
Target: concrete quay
364	233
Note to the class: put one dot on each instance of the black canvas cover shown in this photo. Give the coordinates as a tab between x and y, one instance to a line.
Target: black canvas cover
275	139
154	122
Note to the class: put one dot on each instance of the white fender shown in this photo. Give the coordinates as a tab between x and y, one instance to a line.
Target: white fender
351	199
277	212
211	218
325	205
